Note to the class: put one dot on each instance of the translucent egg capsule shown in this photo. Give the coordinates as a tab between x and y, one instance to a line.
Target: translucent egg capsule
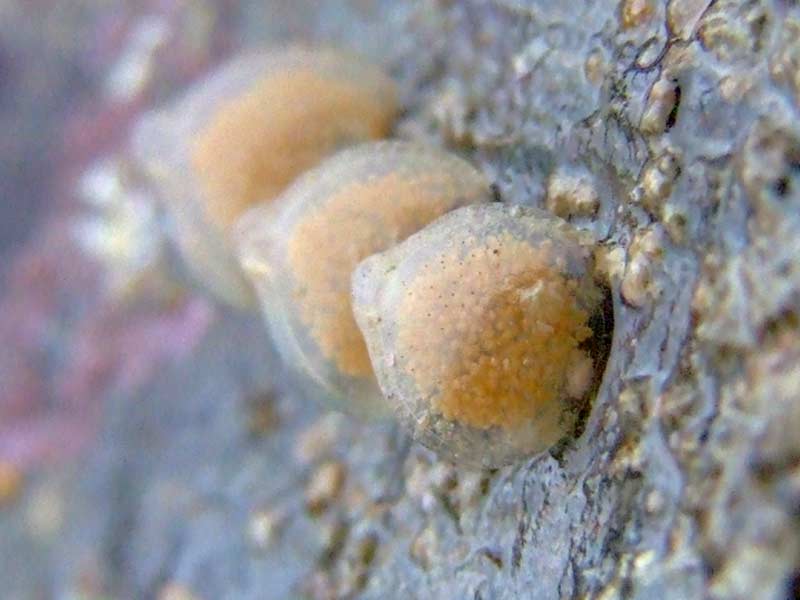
300	252
480	328
241	136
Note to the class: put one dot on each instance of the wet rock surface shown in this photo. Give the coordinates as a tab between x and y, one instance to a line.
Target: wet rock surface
680	123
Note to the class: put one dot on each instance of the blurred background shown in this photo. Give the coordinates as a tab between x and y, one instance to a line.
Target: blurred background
75	237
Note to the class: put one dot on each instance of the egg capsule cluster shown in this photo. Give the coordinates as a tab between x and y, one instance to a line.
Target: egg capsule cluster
241	136
300	252
479	329
386	274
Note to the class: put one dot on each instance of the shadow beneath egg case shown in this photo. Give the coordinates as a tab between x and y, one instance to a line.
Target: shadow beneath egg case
598	346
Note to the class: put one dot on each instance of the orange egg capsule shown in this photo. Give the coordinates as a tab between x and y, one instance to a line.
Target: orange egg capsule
241	136
301	250
478	327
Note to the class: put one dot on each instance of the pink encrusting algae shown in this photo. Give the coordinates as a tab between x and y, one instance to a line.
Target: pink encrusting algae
66	345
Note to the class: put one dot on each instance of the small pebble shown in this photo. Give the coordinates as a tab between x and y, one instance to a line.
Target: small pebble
636	12
569	195
660	107
264	527
424	548
176	591
324	486
639	284
319	440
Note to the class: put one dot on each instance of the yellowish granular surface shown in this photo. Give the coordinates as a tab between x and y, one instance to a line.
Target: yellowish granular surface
361	219
259	142
490	336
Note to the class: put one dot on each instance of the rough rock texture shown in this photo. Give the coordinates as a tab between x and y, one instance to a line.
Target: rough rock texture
680	125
